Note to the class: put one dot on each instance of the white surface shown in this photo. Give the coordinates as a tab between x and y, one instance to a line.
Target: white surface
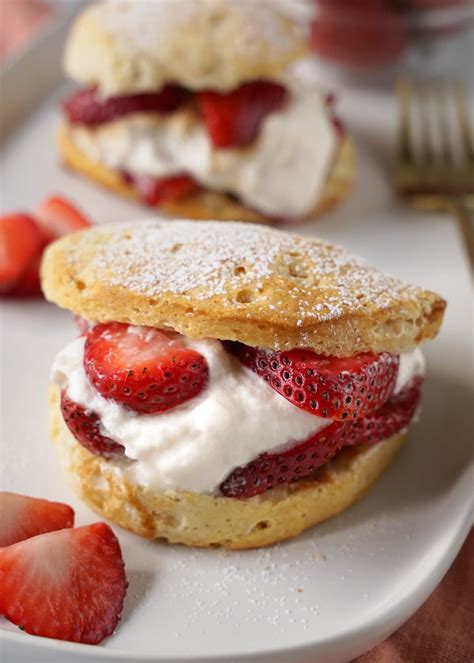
335	591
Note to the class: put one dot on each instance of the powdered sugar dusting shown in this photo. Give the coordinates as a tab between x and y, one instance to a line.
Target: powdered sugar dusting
244	265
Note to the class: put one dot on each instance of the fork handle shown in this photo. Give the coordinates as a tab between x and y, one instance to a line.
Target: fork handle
465	218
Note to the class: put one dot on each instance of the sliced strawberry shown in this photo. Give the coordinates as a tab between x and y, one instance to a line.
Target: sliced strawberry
359	33
269	470
67	585
326	386
23	517
85	426
20	242
143	368
391	418
85	107
58	216
234	119
154	190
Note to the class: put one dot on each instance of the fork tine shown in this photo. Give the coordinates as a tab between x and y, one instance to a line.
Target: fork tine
464	124
447	145
405	99
427	120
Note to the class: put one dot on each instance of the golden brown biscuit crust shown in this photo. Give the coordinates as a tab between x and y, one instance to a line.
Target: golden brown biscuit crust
208	204
202	520
127	46
239	282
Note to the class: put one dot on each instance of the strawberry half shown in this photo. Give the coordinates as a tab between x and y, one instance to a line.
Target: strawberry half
21	241
391	418
326	386
269	470
67	585
142	368
85	426
154	190
23	517
58	216
234	119
84	107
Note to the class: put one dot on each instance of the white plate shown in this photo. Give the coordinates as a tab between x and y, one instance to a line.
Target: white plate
342	587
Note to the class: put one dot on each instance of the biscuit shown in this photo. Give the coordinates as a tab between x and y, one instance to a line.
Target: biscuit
211	204
237	281
123	47
202	520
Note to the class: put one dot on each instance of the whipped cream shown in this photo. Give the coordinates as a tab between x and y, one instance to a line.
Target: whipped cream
412	364
282	174
193	446
196	445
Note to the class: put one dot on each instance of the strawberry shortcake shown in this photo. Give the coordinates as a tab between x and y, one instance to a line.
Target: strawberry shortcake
189	107
232	384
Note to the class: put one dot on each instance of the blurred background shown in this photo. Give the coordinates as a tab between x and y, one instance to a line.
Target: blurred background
371	41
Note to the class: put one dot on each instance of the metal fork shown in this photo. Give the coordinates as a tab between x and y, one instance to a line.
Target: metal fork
434	166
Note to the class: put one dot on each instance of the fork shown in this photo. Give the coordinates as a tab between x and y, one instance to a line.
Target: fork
434	167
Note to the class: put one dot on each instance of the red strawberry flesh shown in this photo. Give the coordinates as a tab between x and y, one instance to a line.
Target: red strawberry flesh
22	517
85	426
145	369
86	107
326	386
67	585
234	119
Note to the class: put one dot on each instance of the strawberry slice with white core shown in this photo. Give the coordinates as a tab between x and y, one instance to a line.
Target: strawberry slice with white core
393	417
326	386
22	517
67	585
145	369
85	426
270	470
59	216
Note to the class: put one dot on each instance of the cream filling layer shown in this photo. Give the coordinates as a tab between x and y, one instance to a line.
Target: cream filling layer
282	174
196	445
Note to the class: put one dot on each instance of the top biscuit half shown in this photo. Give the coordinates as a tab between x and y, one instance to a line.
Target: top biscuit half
235	281
126	46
